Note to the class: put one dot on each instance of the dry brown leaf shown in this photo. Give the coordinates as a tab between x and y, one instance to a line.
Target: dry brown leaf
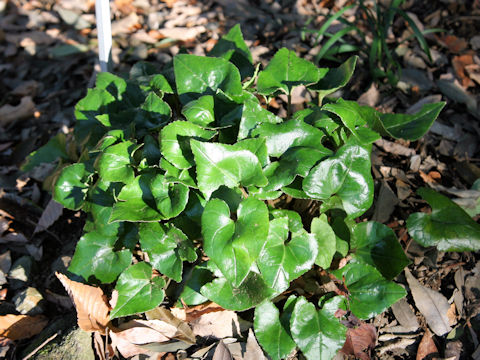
453	43
10	113
51	213
220	324
222	352
426	347
182	33
169	3
431	304
253	351
361	338
194	312
125	6
183	331
431	177
459	64
18	327
90	303
452	315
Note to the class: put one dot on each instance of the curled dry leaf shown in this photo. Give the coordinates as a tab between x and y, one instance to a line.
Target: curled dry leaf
18	327
426	347
222	352
220	324
10	113
183	331
90	303
361	338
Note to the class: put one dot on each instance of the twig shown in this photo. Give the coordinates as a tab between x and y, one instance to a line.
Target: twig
38	348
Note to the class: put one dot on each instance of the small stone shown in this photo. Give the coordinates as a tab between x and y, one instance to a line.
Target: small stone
29	302
20	273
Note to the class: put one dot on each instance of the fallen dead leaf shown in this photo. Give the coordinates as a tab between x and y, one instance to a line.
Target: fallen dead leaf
169	3
431	304
18	327
459	64
431	177
10	113
361	338
124	6
27	88
426	347
90	303
183	331
220	324
52	212
452	315
254	351
182	33
126	25
453	43
222	352
14	238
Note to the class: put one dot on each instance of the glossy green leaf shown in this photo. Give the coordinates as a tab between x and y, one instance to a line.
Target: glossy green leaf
159	83
292	133
232	47
335	78
448	227
167	248
153	113
196	76
71	186
282	260
95	255
229	165
200	111
151	151
175	142
137	291
271	333
318	333
376	244
405	126
87	127
51	151
115	162
294	220
296	161
345	175
248	116
286	71
149	198
326	239
251	292
127	93
175	175
234	245
194	280
370	293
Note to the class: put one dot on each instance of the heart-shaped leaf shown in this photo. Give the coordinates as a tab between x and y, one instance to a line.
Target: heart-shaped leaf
51	151
153	113
167	248
376	244
281	260
286	71
370	293
71	186
114	163
232	47
175	142
149	198
234	246
319	334
229	165
271	333
448	227
95	255
175	175
345	175
326	240
197	75
292	133
194	280
405	126
251	292
200	111
137	291
296	161
334	79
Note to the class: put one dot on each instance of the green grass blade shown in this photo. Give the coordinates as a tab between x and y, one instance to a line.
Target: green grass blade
418	34
330	20
332	41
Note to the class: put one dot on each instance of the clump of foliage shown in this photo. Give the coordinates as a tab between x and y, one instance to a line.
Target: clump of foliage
379	51
187	181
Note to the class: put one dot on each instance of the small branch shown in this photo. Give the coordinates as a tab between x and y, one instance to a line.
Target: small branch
244	192
289	106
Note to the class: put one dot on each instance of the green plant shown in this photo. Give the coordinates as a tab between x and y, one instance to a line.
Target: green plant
380	53
177	167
